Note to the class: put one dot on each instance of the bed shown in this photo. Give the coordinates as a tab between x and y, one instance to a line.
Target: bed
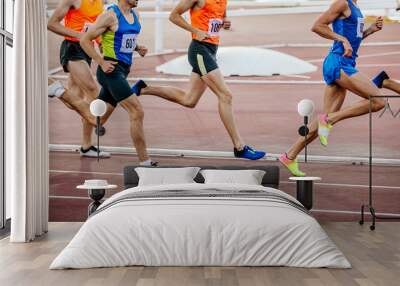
198	224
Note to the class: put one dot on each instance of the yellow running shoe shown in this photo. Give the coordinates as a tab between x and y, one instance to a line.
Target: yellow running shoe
324	127
291	165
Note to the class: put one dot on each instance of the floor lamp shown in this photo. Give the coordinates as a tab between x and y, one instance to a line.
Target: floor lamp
98	108
305	108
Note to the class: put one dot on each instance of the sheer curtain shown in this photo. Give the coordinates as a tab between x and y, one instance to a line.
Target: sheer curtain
27	124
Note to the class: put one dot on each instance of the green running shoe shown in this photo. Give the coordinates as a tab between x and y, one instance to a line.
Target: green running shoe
291	165
324	128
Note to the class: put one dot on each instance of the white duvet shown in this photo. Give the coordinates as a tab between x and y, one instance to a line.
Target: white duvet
200	232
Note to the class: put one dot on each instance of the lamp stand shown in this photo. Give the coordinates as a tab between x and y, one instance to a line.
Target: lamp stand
305	137
98	137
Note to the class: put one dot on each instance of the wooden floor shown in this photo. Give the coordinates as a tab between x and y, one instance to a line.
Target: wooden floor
375	257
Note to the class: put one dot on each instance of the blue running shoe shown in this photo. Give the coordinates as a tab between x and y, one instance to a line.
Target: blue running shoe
378	80
138	86
249	153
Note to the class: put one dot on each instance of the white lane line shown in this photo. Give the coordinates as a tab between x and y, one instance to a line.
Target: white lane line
348	185
73	198
361	56
296	76
230	81
378	65
85	172
225	155
279	45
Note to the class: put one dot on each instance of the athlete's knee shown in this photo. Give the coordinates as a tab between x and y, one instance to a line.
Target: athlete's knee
91	121
189	103
377	104
136	114
226	97
91	89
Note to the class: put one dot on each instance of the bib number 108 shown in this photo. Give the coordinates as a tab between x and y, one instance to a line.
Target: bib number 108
214	26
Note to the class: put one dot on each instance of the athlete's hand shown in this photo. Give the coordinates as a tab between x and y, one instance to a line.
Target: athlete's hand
378	25
107	66
348	50
142	50
226	24
201	35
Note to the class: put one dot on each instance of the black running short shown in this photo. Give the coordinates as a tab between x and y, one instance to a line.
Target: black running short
114	86
72	51
202	57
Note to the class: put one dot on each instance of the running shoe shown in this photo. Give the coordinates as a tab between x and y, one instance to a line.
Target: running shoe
291	165
138	86
249	153
324	128
56	89
380	78
92	153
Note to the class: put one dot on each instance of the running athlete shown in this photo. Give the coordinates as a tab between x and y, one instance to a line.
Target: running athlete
207	18
340	74
78	15
118	27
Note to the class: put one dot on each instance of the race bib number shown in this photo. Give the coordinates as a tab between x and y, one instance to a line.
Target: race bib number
360	28
214	25
128	43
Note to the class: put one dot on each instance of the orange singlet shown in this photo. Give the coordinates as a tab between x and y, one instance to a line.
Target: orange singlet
80	19
209	19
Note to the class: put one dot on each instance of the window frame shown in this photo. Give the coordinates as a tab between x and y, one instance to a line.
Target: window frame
6	39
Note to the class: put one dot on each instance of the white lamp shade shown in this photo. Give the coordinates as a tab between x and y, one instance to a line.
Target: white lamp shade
305	107
98	107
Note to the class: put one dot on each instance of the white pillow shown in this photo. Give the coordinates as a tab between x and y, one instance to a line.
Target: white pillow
247	177
166	176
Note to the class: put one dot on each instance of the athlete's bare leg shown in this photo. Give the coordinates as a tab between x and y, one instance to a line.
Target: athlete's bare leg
215	81
333	101
84	82
87	128
188	99
363	87
136	115
392	85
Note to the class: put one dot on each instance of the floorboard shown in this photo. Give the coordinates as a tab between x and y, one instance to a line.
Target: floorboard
375	257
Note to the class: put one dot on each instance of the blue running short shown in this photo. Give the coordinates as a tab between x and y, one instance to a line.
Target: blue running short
334	63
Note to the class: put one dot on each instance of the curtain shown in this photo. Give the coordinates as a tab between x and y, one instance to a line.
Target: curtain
27	124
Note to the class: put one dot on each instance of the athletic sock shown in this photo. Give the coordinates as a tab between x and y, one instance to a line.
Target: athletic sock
148	163
138	86
60	91
56	89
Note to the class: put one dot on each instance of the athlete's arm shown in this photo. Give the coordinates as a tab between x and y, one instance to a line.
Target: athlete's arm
176	18
54	23
226	23
104	22
321	25
375	27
